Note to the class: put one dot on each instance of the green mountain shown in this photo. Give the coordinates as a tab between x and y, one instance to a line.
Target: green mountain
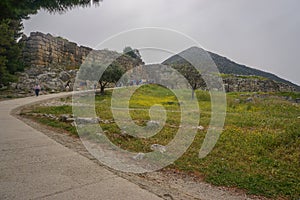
226	66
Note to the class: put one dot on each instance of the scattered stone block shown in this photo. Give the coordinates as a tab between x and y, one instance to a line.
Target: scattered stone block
158	147
139	156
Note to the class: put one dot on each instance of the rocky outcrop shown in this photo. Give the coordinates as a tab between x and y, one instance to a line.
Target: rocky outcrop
50	79
254	84
53	62
161	74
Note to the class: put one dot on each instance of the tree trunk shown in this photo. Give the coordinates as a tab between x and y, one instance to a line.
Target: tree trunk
102	87
193	93
193	90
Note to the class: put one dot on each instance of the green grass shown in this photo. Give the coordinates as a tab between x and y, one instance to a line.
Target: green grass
58	110
293	95
242	76
259	149
54	123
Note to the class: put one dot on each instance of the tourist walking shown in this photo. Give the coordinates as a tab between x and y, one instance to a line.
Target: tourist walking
37	89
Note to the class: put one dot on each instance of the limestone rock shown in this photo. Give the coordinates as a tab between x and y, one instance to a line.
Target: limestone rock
139	156
158	147
66	118
238	84
152	124
64	76
87	120
201	128
237	100
249	99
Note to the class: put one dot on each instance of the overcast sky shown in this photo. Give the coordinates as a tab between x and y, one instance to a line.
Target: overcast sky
263	34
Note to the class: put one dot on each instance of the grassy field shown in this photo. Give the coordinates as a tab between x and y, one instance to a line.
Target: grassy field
259	149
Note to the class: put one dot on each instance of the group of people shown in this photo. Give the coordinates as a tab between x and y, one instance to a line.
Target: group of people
37	88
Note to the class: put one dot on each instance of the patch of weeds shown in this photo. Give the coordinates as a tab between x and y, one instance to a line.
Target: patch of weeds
57	124
55	110
293	95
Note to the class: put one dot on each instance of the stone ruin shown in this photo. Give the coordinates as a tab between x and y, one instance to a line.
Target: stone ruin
161	74
236	83
54	61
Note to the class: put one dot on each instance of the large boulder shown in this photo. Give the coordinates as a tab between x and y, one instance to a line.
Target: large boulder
64	76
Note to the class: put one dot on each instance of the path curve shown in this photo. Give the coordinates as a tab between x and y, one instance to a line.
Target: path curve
33	166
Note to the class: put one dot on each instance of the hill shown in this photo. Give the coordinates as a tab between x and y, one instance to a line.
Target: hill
227	66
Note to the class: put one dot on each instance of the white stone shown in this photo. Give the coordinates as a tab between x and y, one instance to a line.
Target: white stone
139	156
158	147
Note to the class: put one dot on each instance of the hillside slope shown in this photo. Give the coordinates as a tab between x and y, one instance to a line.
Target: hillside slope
227	66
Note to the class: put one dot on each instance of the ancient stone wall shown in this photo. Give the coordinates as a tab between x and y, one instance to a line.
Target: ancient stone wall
53	62
45	50
158	73
236	84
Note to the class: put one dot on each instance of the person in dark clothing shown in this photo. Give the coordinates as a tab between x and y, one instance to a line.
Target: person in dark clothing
37	89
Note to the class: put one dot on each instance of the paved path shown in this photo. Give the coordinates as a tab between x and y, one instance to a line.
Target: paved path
32	166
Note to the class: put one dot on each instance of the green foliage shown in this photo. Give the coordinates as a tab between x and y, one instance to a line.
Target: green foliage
92	72
61	125
109	75
11	15
134	53
293	95
20	9
57	111
9	50
191	74
112	74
